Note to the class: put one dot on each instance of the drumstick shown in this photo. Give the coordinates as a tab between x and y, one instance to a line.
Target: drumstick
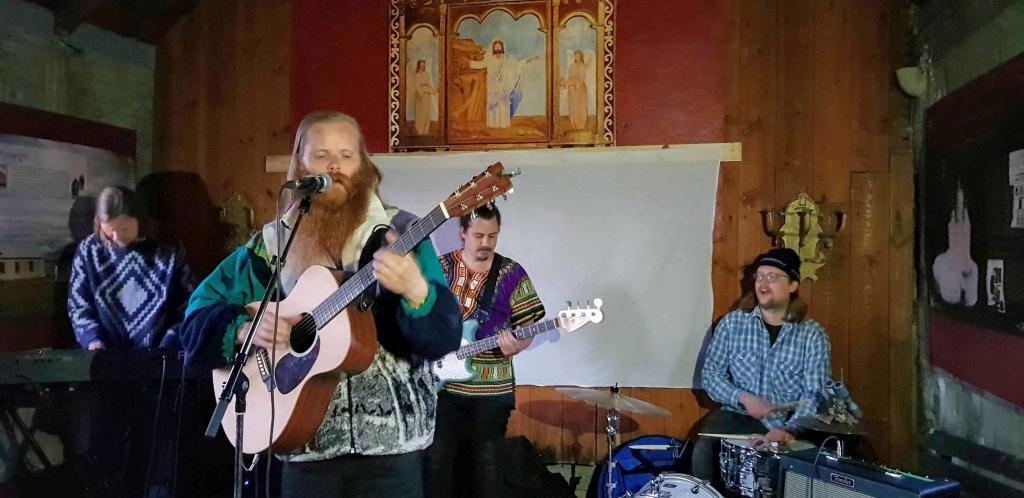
731	436
789	406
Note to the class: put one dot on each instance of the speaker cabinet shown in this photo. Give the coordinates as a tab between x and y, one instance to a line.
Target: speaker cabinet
834	477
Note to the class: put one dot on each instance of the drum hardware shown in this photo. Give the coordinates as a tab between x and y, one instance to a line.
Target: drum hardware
613	402
814	423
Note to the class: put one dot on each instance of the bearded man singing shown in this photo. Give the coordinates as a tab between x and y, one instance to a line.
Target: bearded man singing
378	421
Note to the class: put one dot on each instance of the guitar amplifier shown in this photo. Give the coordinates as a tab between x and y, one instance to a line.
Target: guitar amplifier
834	477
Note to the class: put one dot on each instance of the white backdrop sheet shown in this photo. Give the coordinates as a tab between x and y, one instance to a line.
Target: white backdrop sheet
632	227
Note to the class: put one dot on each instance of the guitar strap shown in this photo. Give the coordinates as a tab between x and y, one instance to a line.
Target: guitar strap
486	302
373	243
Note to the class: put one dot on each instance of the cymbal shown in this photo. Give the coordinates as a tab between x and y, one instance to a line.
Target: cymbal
815	424
608	399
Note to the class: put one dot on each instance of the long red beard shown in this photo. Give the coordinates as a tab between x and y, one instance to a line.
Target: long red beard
338	213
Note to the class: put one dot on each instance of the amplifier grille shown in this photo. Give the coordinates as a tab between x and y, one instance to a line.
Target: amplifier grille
800	486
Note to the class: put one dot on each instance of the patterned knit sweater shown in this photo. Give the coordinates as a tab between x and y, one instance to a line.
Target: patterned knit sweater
130	297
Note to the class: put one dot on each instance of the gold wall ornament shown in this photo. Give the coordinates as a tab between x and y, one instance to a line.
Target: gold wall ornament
806	228
237	215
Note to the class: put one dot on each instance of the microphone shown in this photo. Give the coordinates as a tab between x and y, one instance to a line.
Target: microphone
844	393
311	185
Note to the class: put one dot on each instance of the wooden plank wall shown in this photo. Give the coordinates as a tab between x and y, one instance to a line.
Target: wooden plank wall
811	96
222	98
812	99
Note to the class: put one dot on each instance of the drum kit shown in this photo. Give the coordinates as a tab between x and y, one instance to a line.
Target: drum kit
747	467
664	485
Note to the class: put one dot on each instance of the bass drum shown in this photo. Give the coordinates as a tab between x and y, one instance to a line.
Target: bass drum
637	462
672	485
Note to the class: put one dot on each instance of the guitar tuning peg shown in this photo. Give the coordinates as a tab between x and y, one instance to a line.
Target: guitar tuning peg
568	304
598	302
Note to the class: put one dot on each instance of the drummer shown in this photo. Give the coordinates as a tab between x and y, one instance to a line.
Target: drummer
766	357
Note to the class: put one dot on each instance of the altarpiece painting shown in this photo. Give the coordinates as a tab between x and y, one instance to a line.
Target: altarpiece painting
475	74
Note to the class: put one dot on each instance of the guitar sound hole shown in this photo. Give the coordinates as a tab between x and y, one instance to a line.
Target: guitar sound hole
303	334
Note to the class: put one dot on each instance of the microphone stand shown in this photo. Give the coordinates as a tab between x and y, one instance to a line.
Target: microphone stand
612	432
237	385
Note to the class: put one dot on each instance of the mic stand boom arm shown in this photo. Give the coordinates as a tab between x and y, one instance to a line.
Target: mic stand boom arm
237	386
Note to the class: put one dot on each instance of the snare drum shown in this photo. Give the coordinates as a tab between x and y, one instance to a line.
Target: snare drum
672	485
750	471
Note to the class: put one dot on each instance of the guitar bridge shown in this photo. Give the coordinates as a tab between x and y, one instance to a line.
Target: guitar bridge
263	365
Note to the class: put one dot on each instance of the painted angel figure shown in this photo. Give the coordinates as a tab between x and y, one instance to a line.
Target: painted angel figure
423	98
575	85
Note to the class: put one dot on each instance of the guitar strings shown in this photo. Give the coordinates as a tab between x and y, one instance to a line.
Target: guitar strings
307	325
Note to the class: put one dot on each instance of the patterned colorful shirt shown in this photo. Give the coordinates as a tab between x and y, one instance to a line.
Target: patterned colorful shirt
515	303
130	297
740	359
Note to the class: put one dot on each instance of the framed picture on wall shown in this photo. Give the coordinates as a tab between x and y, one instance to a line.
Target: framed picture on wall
476	74
973	234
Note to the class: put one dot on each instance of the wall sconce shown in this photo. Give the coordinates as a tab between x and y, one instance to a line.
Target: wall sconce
805	228
912	81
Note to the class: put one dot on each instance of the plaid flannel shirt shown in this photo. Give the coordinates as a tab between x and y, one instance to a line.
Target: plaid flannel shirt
741	359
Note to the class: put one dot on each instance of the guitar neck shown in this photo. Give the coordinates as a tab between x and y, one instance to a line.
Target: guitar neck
491	342
363	279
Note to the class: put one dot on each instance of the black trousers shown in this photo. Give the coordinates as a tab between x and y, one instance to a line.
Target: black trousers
705	450
355	476
458	463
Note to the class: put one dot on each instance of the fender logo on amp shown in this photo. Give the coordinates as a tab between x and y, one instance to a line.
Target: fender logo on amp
841	480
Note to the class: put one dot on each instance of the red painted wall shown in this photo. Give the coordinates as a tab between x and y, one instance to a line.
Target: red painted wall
988	359
670	73
340	62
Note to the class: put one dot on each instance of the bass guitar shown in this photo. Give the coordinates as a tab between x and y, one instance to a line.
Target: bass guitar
455	366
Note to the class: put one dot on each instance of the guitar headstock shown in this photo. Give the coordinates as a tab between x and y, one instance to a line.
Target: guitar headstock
573	318
480	190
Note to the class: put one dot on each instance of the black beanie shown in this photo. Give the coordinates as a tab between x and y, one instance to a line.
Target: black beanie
786	260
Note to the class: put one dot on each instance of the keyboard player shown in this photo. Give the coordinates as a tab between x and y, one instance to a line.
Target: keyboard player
127	291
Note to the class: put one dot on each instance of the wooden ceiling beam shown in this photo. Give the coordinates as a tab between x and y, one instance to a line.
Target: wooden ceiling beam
68	15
